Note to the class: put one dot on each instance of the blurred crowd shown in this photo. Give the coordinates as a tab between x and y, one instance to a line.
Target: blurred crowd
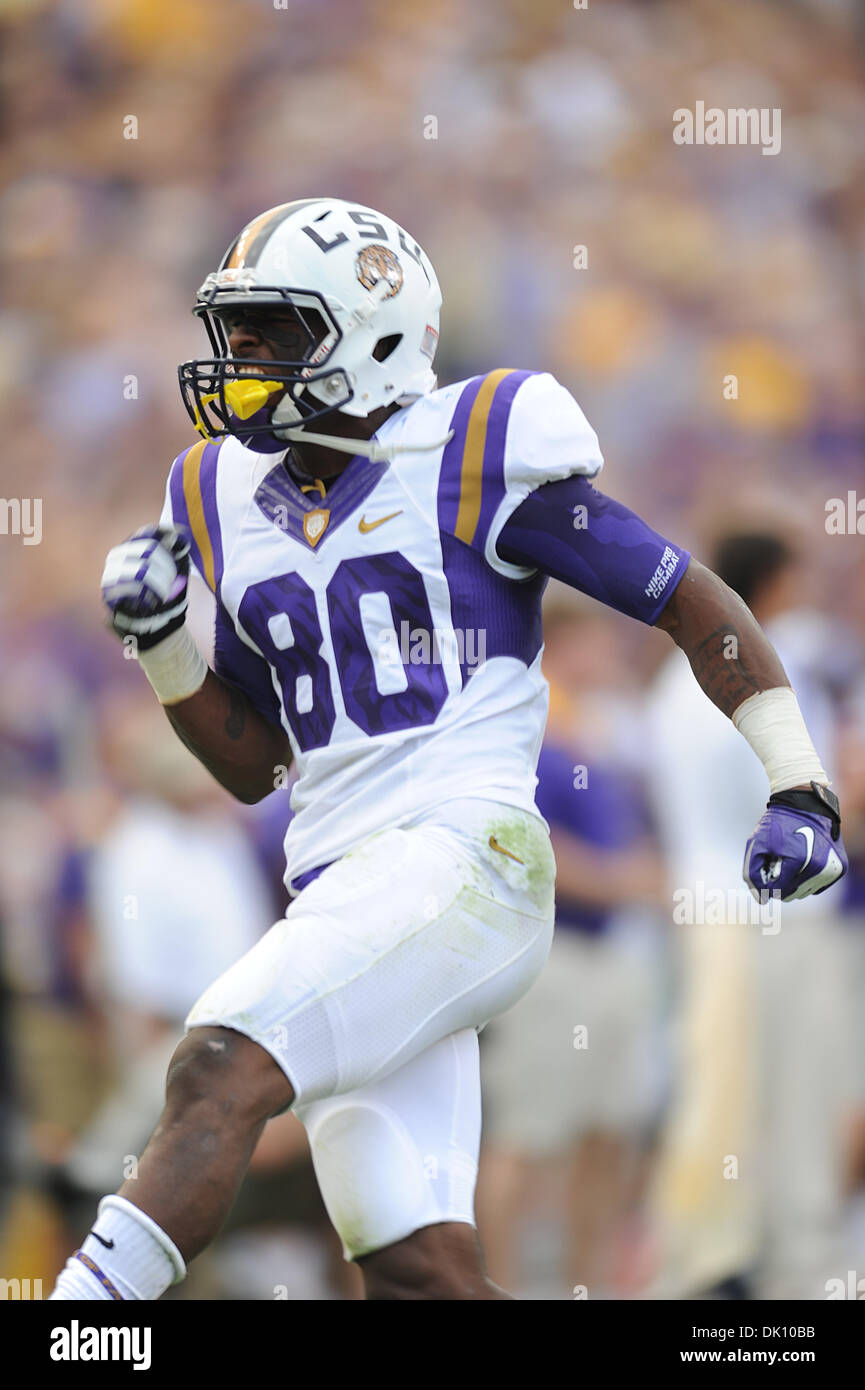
527	144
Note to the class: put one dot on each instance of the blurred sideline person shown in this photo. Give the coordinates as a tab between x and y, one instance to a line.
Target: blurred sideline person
567	1072
749	1190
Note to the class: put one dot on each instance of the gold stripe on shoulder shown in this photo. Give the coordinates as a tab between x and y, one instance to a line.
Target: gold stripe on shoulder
471	476
195	509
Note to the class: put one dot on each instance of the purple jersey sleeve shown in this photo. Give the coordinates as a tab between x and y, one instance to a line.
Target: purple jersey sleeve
572	532
237	663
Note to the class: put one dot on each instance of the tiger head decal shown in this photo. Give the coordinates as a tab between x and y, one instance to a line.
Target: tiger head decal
375	263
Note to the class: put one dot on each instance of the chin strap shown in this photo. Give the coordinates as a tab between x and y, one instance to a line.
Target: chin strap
245	398
368	448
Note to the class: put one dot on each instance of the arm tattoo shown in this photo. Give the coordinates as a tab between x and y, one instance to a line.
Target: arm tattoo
225	732
730	655
720	671
235	724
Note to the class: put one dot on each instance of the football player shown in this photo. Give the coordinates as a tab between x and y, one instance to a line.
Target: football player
377	549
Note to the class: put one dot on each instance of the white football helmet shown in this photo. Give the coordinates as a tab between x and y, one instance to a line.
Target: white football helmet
366	301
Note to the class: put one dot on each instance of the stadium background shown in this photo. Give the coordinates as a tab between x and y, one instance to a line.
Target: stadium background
504	134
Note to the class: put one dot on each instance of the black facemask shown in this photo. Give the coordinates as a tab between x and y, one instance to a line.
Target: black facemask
295	333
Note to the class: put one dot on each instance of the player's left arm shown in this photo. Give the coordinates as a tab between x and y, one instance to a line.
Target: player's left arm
729	653
796	849
571	531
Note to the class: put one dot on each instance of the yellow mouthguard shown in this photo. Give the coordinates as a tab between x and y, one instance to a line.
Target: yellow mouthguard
244	398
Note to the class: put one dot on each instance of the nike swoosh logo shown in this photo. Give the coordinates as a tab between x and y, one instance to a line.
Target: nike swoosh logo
809	840
500	849
363	525
109	1244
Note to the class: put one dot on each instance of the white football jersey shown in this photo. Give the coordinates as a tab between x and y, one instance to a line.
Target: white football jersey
377	623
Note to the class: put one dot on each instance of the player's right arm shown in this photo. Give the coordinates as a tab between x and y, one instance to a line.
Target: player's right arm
228	735
145	588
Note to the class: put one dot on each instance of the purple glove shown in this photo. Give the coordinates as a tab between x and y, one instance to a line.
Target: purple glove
796	849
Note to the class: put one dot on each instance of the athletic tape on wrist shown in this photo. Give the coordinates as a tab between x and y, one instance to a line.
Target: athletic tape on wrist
772	723
174	667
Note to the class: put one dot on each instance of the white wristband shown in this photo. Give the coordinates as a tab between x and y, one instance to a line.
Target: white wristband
772	723
174	667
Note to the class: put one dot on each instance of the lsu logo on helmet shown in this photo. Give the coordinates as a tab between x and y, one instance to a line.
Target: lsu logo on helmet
377	263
